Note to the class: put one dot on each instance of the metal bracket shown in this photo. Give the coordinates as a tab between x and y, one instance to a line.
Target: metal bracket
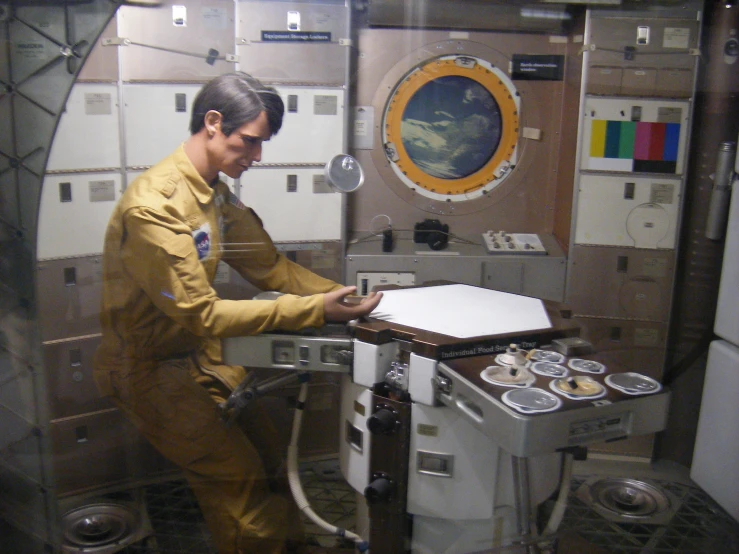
116	41
345	42
587	48
232	58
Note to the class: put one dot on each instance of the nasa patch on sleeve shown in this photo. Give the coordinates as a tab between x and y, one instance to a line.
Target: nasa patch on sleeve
201	236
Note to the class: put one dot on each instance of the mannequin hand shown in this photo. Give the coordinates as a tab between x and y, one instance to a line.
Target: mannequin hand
336	308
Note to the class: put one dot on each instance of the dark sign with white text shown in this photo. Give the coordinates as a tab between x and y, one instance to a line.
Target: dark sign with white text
531	67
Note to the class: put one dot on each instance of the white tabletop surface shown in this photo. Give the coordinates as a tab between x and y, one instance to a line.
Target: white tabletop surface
462	311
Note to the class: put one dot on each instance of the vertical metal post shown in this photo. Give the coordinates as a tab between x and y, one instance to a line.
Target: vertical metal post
522	494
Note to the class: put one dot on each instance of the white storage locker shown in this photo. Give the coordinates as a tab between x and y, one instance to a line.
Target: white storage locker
312	129
88	133
156	120
295	204
640	212
74	213
715	464
294	41
181	40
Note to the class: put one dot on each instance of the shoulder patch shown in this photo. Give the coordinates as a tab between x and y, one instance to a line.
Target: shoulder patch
234	201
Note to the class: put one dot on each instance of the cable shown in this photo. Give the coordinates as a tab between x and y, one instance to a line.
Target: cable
379	231
564	490
296	487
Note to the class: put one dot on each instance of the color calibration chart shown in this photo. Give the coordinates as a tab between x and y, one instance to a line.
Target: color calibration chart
635	136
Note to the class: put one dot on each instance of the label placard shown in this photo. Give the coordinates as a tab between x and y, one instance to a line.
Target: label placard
296	36
655	267
532	67
102	191
324	104
98	103
662	193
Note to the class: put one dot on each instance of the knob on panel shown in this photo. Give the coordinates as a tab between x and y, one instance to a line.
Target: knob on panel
379	490
383	422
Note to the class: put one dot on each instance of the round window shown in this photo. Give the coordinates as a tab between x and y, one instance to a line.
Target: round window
451	128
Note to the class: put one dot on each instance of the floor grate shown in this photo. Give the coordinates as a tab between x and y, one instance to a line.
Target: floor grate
699	525
179	527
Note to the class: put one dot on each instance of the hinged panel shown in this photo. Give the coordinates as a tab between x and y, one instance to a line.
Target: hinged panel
294	57
165	46
74	213
90	118
312	128
642	211
150	139
301	215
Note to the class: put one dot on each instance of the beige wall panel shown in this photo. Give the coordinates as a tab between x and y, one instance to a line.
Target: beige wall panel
638	346
524	202
69	297
604	80
611	35
674	83
71	388
102	63
638	81
100	449
621	282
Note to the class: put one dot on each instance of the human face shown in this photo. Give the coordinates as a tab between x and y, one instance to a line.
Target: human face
234	154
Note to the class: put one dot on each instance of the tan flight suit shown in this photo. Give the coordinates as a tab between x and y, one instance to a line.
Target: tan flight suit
160	357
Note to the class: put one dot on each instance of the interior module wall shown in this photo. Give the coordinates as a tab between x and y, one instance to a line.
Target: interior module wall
524	201
637	101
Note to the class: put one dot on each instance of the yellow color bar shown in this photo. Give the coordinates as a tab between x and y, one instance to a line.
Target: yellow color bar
598	138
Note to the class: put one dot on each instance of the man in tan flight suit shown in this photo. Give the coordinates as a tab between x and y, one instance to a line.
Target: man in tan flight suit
160	357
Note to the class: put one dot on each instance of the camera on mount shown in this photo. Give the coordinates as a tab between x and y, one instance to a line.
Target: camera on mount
432	232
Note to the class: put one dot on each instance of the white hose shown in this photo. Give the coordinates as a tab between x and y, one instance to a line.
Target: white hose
293	477
564	490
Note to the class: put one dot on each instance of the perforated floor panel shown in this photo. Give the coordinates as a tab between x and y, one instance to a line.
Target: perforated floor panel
179	527
698	526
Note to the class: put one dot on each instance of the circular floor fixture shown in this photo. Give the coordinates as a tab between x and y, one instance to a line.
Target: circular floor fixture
450	128
624	499
100	527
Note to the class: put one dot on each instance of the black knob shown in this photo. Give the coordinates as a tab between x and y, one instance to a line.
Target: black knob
379	490
382	422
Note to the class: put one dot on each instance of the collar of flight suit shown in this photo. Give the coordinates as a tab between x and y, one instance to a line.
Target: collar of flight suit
202	191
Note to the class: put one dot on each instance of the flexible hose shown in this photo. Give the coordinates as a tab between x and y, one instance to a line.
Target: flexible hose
564	490
293	476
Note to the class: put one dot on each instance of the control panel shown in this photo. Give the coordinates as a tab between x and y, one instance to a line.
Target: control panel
500	242
599	429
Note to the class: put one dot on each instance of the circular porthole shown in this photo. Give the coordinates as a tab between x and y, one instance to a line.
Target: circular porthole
450	128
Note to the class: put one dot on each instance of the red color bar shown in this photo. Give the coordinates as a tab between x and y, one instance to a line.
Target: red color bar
657	142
